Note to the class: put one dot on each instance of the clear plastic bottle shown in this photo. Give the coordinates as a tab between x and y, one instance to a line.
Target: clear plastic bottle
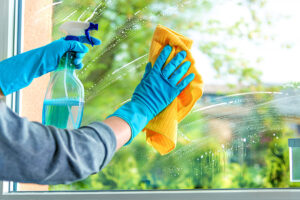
64	100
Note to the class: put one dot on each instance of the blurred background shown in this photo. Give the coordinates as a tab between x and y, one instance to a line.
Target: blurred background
236	135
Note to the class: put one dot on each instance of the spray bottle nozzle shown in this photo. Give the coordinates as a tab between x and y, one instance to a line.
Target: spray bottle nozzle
87	33
74	29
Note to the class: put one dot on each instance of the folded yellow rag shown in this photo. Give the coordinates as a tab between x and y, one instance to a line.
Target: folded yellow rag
161	132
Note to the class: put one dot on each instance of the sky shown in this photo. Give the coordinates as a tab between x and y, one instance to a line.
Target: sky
279	65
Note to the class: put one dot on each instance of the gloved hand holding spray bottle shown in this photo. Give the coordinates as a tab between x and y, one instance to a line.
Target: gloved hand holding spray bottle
64	99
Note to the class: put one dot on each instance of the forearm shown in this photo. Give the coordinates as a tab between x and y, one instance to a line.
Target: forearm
121	130
32	152
1	94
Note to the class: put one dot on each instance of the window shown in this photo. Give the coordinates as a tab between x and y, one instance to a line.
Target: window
236	135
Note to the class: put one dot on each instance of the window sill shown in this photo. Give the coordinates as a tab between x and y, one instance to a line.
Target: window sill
265	194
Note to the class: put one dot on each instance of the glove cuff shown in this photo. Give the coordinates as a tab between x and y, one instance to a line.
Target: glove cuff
136	115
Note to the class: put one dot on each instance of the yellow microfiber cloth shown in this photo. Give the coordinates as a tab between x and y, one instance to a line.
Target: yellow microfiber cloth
161	132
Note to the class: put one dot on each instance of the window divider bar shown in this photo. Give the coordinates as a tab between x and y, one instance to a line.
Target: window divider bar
18	16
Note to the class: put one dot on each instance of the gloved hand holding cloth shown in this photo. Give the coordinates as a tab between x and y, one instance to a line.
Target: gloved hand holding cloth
162	130
155	101
158	88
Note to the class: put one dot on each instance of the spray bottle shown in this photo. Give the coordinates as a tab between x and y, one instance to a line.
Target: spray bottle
64	99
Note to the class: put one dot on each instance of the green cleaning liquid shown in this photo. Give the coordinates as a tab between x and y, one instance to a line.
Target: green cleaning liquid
63	113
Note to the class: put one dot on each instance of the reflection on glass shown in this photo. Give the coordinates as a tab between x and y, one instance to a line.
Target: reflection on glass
236	135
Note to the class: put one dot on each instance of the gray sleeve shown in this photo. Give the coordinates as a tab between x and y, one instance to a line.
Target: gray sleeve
33	153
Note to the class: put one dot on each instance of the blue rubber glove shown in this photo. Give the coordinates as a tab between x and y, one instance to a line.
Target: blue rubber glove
158	88
18	72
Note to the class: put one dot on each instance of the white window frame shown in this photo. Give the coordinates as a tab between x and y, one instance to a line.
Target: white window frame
10	40
10	44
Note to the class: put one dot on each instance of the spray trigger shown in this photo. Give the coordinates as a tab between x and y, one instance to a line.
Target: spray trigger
92	26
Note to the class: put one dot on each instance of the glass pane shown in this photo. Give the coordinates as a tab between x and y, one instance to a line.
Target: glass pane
236	135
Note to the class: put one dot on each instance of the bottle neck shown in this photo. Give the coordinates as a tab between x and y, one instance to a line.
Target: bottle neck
66	62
